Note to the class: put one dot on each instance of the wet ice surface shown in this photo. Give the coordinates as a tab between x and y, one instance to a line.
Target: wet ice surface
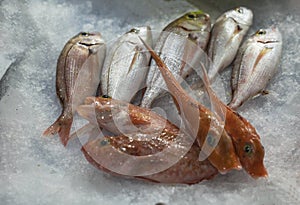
37	170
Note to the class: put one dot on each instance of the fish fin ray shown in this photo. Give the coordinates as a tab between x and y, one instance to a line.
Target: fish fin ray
62	126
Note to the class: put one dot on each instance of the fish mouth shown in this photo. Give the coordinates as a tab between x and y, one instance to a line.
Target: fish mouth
267	42
259	173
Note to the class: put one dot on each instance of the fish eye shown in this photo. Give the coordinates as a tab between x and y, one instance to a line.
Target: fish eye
104	142
211	141
248	149
134	30
106	96
192	16
240	10
84	34
261	32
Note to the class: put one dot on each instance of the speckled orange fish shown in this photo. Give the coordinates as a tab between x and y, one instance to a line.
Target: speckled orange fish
84	54
223	155
153	134
245	138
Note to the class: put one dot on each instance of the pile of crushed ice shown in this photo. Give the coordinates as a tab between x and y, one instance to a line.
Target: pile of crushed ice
36	170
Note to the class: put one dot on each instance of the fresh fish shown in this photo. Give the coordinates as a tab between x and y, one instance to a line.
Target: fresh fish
244	136
111	115
200	122
255	65
188	170
226	37
126	67
178	165
173	46
83	56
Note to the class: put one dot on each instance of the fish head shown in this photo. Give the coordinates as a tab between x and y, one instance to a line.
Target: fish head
269	35
92	41
100	109
194	21
251	154
144	32
241	15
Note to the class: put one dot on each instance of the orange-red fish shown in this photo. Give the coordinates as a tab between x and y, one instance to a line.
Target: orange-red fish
245	138
136	153
111	114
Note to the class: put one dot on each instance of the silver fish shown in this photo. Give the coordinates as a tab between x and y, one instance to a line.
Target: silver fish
255	65
126	67
226	37
77	76
174	49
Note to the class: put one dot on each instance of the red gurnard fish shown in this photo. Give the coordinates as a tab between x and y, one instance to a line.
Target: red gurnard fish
244	136
153	135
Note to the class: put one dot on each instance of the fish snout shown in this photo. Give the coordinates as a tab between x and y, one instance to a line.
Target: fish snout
259	172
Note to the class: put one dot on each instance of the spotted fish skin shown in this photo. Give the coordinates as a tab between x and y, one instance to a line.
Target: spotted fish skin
174	49
126	66
247	145
256	63
226	36
151	135
83	55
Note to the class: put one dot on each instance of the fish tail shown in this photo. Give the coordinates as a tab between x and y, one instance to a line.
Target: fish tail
62	126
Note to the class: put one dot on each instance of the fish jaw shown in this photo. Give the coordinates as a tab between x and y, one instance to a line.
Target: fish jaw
257	170
89	39
268	35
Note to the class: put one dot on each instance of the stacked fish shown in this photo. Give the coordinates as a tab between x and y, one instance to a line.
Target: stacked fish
144	144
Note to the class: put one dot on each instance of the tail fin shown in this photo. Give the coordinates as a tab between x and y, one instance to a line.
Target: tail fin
62	126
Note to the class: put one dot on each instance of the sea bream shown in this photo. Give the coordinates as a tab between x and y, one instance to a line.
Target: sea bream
126	66
226	36
173	47
77	76
255	65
